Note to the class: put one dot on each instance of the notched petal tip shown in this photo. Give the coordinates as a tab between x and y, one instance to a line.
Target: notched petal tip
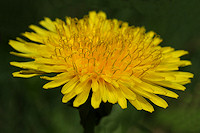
32	26
23	75
165	106
96	107
176	97
172	95
63	100
68	97
53	84
46	86
12	63
75	104
150	111
10	42
123	106
191	75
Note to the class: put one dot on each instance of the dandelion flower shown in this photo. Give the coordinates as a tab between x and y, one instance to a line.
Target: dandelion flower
112	60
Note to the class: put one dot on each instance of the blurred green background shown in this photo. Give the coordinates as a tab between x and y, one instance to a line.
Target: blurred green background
27	108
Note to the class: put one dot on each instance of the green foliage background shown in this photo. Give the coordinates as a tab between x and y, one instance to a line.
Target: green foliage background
27	108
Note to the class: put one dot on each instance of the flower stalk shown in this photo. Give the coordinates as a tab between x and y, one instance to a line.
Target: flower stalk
91	117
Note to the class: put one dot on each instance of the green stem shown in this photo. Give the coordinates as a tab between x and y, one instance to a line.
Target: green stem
91	117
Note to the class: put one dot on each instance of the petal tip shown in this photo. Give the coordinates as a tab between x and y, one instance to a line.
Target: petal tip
12	63
46	86
63	100
75	104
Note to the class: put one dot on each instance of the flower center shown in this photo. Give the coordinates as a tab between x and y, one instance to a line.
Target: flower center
106	47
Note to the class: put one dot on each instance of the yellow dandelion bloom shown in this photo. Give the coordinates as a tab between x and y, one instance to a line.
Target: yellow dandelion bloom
114	61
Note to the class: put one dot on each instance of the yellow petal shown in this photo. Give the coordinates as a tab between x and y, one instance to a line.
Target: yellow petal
68	97
19	46
92	16
49	61
59	76
156	41
159	101
127	92
70	85
25	65
134	78
184	82
19	74
84	78
160	76
23	55
39	30
96	99
182	74
178	53
115	83
80	87
144	87
166	49
153	77
48	24
51	69
103	90
39	67
170	60
154	98
136	104
57	82
83	96
33	36
126	82
140	103
121	99
31	49
160	90
183	63
173	76
122	102
94	85
20	40
170	85
111	93
106	78
102	14
167	67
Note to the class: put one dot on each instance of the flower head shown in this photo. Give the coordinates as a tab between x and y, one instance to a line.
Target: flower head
114	61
